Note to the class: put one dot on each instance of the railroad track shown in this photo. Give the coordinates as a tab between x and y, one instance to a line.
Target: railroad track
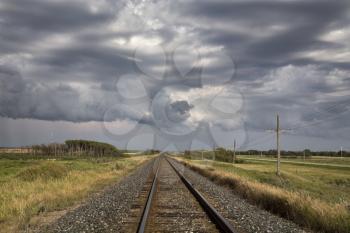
170	203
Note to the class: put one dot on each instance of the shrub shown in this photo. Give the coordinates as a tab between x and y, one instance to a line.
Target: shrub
118	166
46	172
240	161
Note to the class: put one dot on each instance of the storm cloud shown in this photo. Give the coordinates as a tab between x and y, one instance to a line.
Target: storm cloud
230	64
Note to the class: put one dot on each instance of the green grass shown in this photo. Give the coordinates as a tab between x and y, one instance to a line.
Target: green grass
330	184
30	187
9	168
308	194
322	160
46	171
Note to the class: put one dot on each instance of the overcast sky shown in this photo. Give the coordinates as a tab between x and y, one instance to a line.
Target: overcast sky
192	73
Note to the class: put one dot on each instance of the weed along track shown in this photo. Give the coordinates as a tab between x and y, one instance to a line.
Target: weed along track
172	204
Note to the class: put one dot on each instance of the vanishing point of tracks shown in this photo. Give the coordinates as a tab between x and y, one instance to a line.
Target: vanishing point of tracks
169	203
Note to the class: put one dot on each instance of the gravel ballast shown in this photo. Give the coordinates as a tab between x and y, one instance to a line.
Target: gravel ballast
174	208
104	212
239	212
107	211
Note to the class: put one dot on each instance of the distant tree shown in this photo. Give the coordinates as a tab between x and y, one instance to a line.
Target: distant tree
76	148
222	154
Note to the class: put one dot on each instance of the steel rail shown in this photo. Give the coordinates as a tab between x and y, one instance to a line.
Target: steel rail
222	224
142	224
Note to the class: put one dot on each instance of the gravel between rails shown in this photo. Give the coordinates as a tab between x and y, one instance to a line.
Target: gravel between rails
174	208
104	212
239	212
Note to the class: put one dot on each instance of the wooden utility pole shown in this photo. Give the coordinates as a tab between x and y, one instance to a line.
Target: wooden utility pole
341	152
234	151
278	146
202	156
278	131
214	153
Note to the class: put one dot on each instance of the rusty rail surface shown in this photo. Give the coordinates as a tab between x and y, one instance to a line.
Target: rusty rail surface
142	225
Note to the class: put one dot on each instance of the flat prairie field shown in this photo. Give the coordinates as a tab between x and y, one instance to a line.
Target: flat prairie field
324	178
314	193
31	187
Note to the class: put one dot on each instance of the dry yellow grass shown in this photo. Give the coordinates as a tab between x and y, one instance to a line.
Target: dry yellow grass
298	207
21	199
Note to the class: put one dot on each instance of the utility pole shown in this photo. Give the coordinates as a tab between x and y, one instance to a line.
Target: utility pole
278	131
341	152
278	146
202	156
214	153
234	151
304	155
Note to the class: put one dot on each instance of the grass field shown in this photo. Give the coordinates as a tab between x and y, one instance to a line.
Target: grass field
30	187
314	193
316	160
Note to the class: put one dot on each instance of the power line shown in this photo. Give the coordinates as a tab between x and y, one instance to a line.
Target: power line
298	125
259	141
319	122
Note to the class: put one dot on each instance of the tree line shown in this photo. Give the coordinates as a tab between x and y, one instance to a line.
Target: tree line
76	148
306	152
219	154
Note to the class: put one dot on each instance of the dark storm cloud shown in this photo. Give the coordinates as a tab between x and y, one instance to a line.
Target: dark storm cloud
98	62
21	98
51	16
310	101
181	106
60	60
276	33
270	12
26	21
300	22
179	111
